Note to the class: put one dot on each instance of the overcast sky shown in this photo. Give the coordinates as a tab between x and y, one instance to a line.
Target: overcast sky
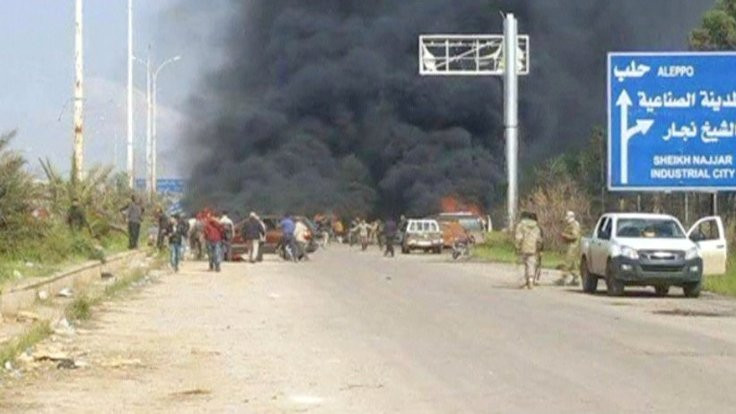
37	49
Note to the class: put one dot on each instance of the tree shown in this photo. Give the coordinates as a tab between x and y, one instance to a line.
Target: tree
18	197
718	29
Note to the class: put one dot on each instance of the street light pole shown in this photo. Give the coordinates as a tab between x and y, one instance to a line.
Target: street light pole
511	114
78	157
154	175
131	174
149	137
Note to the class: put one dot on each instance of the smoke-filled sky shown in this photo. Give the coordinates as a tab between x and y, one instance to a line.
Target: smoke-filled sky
318	104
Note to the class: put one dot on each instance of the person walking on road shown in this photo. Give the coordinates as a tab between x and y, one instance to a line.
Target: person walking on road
163	223
300	236
287	238
177	231
228	234
389	235
253	231
540	253
213	235
134	216
528	240
362	229
571	236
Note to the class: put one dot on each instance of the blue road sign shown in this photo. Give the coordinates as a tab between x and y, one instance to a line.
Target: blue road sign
170	185
671	121
140	184
163	185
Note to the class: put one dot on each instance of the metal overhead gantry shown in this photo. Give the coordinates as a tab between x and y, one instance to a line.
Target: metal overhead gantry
504	55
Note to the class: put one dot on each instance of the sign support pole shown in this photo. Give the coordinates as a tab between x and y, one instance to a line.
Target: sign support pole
511	113
714	202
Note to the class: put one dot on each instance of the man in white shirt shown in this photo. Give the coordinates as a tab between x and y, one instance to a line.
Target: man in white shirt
301	231
227	237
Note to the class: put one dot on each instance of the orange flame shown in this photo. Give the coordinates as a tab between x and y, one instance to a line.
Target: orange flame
452	204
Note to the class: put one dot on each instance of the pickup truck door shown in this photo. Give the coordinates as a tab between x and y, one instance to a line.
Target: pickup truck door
599	246
708	233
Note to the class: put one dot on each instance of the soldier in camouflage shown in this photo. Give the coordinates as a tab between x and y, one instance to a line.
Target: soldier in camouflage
528	241
571	236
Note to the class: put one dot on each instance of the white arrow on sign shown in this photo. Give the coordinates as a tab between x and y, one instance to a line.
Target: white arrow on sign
642	127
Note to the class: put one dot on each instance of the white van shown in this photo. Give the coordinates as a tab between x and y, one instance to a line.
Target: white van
421	234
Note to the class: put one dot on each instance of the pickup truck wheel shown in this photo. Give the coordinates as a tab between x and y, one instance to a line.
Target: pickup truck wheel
613	287
590	282
662	291
692	290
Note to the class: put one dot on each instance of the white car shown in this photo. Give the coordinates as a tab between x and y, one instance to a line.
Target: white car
421	234
632	249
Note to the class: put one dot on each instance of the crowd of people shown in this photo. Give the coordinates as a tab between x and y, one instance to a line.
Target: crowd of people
211	234
214	233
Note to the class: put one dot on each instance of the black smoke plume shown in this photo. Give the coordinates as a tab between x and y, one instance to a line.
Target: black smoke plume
319	105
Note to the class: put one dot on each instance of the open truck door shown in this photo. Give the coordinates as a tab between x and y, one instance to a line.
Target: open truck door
708	233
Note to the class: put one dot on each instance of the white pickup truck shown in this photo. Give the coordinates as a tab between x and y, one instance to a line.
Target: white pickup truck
632	249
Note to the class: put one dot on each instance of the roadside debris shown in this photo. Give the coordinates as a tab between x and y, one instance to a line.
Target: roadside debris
49	353
17	274
107	275
119	362
192	392
27	316
43	295
64	328
66	364
65	293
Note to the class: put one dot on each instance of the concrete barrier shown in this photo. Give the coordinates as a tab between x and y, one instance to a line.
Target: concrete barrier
23	295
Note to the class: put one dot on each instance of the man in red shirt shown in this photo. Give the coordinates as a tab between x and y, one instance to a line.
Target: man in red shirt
213	235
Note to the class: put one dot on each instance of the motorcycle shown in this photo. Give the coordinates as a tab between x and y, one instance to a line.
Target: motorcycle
462	247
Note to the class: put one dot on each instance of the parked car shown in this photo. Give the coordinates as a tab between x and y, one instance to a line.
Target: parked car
421	234
652	250
273	236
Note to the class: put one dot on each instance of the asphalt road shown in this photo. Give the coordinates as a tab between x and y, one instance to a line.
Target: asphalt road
353	332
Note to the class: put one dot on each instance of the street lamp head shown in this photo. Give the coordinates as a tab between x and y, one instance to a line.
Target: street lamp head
175	58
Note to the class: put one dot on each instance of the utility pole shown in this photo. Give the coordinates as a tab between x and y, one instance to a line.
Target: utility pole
131	175
511	113
149	127
78	157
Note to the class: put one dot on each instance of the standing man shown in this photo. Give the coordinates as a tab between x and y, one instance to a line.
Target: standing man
379	225
134	216
300	236
228	234
163	224
389	234
287	237
75	217
177	230
363	231
540	252
571	236
213	232
252	233
528	240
